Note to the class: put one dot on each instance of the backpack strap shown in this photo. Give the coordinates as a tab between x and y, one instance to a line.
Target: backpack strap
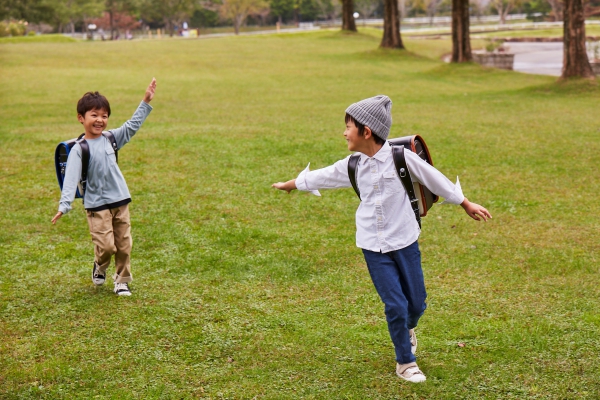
352	171
85	158
85	161
113	141
404	175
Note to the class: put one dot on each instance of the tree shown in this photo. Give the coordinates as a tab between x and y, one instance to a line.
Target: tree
366	7
431	7
504	7
121	21
81	10
326	8
28	10
114	7
391	26
557	9
461	40
348	23
575	58
171	12
238	11
282	9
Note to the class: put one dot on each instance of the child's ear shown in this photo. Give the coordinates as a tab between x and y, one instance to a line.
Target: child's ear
80	118
368	133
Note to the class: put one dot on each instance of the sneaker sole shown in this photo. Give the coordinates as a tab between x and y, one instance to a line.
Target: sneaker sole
419	379
123	294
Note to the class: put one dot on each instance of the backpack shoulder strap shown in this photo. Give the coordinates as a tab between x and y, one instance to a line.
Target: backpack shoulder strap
404	175
113	142
85	161
352	169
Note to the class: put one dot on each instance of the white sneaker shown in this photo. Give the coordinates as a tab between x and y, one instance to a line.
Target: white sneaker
410	372
122	289
413	341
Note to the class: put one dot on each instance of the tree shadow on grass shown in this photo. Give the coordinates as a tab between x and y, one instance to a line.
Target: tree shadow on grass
573	87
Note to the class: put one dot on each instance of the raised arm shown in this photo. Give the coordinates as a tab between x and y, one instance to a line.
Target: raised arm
124	133
150	91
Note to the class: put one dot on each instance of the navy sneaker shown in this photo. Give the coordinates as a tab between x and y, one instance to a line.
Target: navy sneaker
96	277
122	289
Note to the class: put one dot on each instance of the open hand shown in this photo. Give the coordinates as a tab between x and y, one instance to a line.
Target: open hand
476	211
56	217
150	91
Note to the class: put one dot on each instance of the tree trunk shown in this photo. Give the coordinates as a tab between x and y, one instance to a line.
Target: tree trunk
111	15
461	41
391	25
505	14
237	23
556	10
348	23
402	9
575	58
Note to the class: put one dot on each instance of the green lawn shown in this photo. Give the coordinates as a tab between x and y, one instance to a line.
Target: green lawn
242	291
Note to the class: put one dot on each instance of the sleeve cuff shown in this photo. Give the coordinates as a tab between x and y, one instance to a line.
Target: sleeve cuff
457	197
301	182
146	105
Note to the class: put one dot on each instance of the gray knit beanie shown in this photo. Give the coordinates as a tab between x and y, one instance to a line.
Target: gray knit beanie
374	112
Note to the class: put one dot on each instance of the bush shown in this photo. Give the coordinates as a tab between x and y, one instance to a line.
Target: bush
31	33
16	28
3	29
493	45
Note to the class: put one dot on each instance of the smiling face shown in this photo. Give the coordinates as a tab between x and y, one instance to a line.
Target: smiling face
356	142
94	122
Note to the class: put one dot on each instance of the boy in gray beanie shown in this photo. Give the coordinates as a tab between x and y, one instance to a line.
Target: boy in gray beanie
386	228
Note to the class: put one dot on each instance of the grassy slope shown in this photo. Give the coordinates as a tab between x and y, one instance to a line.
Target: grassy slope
242	291
57	38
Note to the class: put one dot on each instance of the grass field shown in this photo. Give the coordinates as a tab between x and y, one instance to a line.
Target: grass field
244	292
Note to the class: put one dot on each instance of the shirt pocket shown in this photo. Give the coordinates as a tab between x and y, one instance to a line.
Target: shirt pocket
391	182
110	154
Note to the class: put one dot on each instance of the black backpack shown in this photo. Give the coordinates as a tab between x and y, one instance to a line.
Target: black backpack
421	198
61	156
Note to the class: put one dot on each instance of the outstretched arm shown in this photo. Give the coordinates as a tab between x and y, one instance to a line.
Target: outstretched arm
287	186
150	91
475	211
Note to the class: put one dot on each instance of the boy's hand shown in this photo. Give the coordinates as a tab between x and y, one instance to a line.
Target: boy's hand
56	217
475	211
287	186
150	91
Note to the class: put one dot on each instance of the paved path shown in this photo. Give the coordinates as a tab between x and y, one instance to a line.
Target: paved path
537	58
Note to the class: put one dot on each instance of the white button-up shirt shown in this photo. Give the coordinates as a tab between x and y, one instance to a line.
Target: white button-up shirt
385	220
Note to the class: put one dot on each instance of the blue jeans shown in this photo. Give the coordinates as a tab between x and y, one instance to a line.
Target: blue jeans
398	278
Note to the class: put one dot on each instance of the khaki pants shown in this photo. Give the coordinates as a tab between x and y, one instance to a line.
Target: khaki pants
111	234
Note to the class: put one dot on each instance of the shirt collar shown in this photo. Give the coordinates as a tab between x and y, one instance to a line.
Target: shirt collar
381	155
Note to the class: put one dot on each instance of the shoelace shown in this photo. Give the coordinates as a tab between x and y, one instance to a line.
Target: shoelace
412	371
121	286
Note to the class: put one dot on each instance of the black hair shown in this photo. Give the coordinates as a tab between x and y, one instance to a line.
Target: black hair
361	129
92	101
